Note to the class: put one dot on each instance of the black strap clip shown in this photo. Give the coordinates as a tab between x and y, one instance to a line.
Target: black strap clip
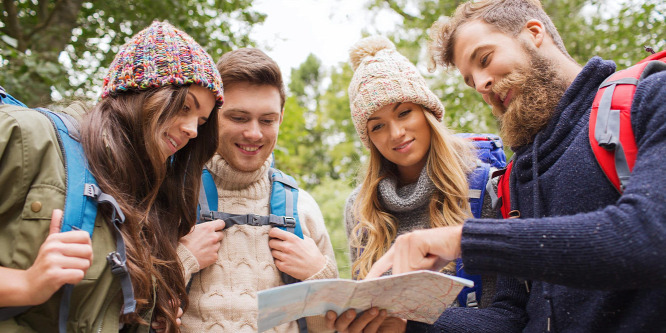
283	221
253	220
205	216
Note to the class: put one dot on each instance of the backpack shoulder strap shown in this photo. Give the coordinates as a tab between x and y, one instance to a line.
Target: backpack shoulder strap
6	98
610	131
80	209
208	200
81	200
284	202
478	180
504	191
284	198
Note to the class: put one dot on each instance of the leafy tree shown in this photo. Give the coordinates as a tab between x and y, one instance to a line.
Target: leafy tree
331	195
65	46
317	138
318	144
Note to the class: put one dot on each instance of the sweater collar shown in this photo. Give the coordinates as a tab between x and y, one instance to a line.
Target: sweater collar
232	179
405	198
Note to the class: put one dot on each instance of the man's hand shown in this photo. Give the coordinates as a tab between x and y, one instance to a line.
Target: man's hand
421	249
204	242
297	257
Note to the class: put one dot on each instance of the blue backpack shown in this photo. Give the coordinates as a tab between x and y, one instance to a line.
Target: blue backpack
81	200
490	153
283	211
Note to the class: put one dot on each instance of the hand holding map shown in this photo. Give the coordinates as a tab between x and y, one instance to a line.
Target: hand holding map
420	296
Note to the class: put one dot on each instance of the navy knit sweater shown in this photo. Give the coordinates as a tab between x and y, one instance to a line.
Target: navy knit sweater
596	260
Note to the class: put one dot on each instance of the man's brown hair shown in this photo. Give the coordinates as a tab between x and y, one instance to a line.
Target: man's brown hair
507	16
253	66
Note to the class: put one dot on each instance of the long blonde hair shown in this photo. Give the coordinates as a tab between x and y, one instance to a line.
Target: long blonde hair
450	160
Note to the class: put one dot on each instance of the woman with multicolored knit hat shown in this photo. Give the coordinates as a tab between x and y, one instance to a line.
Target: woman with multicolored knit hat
416	176
145	141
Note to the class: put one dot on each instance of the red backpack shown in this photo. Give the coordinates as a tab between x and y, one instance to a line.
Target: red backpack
611	136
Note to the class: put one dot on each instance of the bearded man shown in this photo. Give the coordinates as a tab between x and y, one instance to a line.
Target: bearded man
582	257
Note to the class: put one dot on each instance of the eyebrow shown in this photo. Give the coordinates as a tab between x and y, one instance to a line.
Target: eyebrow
245	112
196	101
394	108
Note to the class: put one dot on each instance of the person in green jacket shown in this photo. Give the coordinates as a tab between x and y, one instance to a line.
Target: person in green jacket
146	141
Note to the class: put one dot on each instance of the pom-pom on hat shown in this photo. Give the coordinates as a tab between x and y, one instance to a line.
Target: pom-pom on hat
382	76
161	55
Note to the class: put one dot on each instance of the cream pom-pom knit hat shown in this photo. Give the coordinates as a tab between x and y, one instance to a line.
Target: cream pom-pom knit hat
382	76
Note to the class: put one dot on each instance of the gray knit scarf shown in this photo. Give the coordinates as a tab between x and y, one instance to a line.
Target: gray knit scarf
409	203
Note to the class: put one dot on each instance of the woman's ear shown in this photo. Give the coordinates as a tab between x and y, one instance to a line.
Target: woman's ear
535	32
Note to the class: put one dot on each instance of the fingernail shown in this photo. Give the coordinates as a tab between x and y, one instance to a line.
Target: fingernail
349	315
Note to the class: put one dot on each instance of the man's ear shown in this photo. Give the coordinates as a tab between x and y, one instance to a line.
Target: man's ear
535	32
281	115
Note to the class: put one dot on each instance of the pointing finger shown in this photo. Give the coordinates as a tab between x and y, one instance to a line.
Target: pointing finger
382	265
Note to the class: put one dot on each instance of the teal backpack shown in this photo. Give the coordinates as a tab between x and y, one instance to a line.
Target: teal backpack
81	200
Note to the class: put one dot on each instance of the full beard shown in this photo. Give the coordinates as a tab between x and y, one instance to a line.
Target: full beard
538	89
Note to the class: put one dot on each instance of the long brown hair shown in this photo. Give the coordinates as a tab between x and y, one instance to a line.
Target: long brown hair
450	160
121	137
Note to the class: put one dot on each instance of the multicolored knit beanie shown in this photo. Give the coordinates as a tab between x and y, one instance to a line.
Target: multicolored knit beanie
162	55
382	76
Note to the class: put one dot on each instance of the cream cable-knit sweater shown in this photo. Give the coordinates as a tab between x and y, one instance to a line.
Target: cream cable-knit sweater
223	296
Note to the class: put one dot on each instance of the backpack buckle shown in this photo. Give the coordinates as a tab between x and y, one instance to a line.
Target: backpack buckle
283	222
118	266
205	216
289	222
253	220
91	190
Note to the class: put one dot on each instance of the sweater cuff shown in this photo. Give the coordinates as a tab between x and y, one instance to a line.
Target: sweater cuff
187	259
329	271
489	244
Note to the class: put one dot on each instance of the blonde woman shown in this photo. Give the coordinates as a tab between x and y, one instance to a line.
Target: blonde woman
416	176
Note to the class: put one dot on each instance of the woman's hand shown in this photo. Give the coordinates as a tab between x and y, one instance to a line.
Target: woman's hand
63	258
159	324
297	257
204	242
369	321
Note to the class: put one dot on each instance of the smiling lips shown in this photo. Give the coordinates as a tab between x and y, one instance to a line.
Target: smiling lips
507	98
404	145
173	144
248	149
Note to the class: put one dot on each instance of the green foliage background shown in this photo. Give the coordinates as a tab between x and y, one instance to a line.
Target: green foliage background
63	47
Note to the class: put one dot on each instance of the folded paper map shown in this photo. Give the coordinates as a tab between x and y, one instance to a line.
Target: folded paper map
420	296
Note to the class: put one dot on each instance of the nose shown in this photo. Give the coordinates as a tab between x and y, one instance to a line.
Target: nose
397	131
483	82
189	127
253	131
